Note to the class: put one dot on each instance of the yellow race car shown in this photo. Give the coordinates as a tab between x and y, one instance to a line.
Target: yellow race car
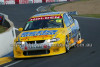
47	34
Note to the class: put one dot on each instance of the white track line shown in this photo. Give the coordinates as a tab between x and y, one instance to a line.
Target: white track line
13	63
39	8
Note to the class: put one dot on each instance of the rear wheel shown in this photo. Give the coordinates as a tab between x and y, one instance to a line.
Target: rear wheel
79	35
78	38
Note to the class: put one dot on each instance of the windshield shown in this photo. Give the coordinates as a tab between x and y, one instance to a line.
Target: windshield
41	24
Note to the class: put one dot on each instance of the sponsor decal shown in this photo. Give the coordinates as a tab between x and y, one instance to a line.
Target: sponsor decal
38	33
33	46
59	20
46	17
43	36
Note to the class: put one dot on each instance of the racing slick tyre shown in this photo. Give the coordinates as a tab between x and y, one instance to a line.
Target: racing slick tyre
78	38
67	45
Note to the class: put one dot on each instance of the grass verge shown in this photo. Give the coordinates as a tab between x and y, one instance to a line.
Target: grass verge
91	15
52	7
85	15
2	29
83	0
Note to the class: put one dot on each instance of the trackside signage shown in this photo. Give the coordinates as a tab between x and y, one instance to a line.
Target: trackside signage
9	2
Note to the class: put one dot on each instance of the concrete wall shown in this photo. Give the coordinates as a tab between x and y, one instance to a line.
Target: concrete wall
7	39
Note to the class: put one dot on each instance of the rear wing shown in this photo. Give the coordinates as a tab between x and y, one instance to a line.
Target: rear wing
72	13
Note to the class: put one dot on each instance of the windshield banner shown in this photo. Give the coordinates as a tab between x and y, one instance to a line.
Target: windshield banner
46	17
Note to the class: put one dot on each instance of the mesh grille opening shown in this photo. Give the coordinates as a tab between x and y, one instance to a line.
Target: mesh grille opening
40	41
36	52
31	42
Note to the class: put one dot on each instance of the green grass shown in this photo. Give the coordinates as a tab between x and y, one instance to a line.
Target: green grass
52	9
91	15
2	29
84	0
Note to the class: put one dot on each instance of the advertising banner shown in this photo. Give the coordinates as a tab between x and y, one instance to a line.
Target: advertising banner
50	0
9	2
21	1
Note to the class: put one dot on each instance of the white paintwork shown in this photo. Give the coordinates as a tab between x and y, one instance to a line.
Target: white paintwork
1	2
7	39
30	1
37	1
9	2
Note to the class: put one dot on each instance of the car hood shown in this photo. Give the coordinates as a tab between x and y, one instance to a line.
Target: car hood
40	34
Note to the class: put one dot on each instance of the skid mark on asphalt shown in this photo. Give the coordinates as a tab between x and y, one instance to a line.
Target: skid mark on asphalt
92	52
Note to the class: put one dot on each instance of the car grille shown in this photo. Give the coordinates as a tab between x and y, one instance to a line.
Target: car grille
36	52
33	42
40	41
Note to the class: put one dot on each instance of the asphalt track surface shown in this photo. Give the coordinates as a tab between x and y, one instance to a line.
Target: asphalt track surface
77	57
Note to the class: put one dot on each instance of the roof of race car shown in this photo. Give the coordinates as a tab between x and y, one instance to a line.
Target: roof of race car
49	13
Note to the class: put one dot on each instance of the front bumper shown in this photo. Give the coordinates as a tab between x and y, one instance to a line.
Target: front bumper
53	50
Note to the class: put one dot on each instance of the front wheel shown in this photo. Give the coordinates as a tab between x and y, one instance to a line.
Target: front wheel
67	45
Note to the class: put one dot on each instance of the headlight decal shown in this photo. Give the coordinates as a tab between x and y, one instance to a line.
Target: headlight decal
20	43
53	40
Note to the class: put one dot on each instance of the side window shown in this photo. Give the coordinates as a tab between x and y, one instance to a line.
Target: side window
66	20
70	19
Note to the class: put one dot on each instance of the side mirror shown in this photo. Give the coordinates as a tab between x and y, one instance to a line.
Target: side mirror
20	29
